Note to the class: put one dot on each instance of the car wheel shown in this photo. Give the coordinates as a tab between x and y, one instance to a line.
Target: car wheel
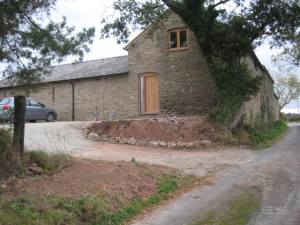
50	117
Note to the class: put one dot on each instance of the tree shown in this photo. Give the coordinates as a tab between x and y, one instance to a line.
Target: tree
226	37
287	87
27	47
279	19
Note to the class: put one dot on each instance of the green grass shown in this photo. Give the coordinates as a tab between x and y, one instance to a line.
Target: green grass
87	210
266	135
237	212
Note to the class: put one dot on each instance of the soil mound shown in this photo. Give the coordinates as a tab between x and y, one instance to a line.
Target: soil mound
171	129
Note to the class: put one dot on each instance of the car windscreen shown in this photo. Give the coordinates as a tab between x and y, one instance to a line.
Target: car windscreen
6	101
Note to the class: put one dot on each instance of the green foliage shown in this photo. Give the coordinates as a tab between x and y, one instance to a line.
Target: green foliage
225	44
260	135
237	212
226	38
138	15
292	119
90	209
167	184
27	46
6	165
233	91
268	133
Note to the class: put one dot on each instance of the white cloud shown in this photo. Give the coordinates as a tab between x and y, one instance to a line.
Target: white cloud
88	13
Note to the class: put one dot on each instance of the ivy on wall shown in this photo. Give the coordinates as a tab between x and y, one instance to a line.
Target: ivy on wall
227	38
226	47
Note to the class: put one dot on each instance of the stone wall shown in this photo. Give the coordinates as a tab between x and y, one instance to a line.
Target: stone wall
94	99
185	84
104	98
264	106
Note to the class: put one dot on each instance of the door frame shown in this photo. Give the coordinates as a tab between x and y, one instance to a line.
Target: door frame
141	97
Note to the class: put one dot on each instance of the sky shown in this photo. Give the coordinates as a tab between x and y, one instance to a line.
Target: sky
89	13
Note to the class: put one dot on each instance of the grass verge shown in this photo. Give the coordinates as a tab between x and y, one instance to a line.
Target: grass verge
258	136
267	135
238	211
86	210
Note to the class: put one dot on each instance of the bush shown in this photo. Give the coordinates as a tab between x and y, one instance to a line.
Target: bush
7	167
268	133
258	136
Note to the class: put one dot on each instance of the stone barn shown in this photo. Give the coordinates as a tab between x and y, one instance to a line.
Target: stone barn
165	73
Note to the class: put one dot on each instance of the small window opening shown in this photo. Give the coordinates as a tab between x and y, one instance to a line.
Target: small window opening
178	39
173	39
183	40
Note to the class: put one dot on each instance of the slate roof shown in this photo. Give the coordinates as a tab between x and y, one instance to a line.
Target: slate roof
80	70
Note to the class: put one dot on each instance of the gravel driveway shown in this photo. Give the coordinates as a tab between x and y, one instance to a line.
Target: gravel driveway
275	170
68	137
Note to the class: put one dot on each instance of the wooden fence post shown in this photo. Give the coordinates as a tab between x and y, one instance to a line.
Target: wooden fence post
19	126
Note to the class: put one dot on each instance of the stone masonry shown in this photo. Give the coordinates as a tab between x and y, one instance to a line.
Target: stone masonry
185	84
112	90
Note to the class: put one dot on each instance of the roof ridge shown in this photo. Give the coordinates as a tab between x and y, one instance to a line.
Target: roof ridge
92	60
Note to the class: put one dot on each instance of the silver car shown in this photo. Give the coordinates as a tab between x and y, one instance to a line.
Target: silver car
34	110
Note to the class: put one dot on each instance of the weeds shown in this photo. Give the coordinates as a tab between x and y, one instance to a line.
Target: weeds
257	136
267	134
7	167
237	212
49	163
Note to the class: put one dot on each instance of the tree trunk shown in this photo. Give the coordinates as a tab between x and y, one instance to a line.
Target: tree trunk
19	127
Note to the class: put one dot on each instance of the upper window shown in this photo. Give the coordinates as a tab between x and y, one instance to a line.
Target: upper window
178	39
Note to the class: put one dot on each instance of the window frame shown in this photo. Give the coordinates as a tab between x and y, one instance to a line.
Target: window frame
178	30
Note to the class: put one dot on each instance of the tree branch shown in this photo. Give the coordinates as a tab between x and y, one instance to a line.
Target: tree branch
219	3
15	53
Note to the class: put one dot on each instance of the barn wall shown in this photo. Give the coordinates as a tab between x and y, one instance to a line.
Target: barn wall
185	84
94	99
62	98
264	106
104	98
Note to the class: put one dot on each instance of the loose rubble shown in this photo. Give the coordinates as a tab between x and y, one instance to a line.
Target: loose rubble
169	132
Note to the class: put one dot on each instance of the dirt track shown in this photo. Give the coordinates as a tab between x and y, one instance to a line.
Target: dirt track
275	170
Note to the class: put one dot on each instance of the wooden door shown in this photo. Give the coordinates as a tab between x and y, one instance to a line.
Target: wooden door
150	94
